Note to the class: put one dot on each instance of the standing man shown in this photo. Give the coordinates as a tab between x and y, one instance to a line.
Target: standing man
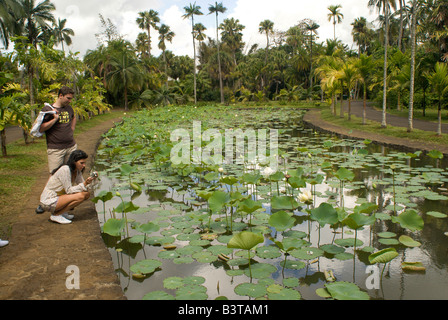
59	129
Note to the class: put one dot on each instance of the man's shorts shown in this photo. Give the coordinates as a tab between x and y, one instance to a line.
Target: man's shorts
57	157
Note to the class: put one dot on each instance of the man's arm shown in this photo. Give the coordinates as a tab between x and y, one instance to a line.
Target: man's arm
47	125
74	123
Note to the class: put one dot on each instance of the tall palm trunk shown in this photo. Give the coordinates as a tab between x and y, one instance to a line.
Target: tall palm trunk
412	80
221	90
386	42
194	61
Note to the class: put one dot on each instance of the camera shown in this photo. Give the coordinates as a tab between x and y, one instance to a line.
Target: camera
94	174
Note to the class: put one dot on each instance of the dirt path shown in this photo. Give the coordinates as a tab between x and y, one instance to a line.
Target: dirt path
33	266
313	119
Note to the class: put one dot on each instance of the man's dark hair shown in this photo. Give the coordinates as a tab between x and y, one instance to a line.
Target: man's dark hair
65	91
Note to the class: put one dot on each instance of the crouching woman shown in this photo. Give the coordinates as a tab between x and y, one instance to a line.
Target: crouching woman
66	188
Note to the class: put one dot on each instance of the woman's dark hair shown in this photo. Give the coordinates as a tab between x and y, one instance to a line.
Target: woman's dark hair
74	157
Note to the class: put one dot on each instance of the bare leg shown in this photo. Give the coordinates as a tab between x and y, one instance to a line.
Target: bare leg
69	201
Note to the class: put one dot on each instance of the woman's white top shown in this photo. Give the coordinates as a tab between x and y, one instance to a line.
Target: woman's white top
61	183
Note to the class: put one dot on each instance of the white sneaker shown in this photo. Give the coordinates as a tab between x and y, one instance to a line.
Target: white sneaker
68	216
59	219
3	243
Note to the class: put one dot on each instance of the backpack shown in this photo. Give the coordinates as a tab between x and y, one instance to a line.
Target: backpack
38	122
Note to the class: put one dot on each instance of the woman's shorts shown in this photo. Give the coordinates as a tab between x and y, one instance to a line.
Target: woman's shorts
50	204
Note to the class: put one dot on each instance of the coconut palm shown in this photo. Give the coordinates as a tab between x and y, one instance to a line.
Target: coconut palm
125	73
10	10
438	80
36	17
335	15
62	33
190	12
359	33
312	27
165	34
145	21
218	8
385	6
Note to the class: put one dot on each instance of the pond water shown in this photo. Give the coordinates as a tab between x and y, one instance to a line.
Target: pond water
190	265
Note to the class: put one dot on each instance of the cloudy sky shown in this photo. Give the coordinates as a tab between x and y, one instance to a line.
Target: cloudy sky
83	17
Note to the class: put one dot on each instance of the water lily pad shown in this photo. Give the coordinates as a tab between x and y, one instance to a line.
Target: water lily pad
387	234
383	256
191	292
285	294
332	249
293	264
204	257
260	270
145	266
413	266
436	214
158	295
268	252
349	242
408	241
291	282
250	289
389	242
307	253
168	255
346	291
173	282
410	220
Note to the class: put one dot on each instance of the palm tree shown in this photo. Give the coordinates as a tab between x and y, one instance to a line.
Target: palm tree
438	80
145	21
218	8
336	15
365	65
412	80
36	17
359	33
190	12
125	71
385	6
266	26
10	10
62	33
232	36
165	34
348	75
312	27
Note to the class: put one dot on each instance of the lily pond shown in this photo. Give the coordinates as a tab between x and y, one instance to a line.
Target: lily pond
331	218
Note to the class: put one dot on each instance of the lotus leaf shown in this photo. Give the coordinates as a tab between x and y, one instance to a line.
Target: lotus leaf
250	289
408	241
409	219
281	221
383	256
158	295
145	266
245	240
284	203
191	292
325	214
346	291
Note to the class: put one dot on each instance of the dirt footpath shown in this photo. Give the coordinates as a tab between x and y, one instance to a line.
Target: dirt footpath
33	266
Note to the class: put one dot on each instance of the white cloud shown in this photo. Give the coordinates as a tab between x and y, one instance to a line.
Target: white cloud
83	18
